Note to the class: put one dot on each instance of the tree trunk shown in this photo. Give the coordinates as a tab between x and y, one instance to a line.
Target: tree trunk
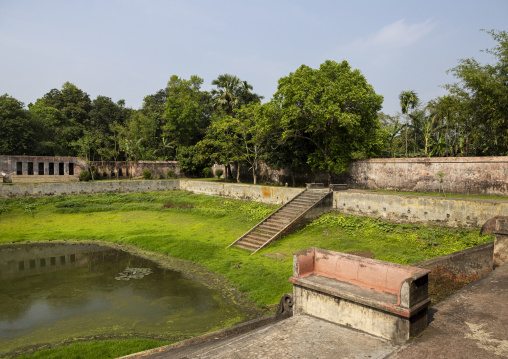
238	172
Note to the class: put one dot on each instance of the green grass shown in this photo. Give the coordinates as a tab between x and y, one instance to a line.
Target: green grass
447	195
198	228
98	349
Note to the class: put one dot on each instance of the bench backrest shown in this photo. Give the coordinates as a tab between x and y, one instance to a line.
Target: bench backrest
371	273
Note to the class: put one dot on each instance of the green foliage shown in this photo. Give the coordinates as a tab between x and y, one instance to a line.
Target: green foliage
171	174
483	92
97	349
147	174
187	111
18	131
219	172
335	109
207	171
85	176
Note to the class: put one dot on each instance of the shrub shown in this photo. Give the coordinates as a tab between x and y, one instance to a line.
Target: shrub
171	174
218	172
206	172
147	174
85	176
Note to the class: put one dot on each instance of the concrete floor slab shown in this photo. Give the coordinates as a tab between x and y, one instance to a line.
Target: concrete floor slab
471	324
296	337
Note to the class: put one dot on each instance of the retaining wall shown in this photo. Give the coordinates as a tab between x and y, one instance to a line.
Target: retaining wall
452	212
472	261
55	189
463	175
262	194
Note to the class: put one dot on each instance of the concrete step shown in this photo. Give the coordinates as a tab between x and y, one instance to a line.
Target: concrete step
253	241
246	246
275	226
268	229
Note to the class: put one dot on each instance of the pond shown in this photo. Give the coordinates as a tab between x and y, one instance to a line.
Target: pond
57	293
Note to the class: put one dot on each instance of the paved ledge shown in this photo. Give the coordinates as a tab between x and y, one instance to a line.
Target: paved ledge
472	323
300	336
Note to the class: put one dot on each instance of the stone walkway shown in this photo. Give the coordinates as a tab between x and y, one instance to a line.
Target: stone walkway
471	324
295	337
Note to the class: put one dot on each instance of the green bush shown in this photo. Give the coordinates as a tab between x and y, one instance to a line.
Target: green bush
147	174
206	172
218	172
85	176
171	174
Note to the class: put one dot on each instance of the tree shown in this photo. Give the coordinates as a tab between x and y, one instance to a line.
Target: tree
408	100
231	94
225	98
335	109
16	128
71	101
55	132
484	91
187	111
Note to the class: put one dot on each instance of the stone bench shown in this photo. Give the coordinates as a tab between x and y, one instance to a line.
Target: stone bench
384	299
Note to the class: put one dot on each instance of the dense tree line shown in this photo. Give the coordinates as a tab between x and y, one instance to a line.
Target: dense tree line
471	120
319	119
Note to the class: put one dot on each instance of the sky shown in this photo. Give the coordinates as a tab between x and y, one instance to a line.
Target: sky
127	49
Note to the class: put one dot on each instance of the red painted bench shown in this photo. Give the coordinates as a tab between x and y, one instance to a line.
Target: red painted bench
385	299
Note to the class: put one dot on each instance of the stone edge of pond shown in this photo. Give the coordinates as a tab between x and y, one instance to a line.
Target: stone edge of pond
190	270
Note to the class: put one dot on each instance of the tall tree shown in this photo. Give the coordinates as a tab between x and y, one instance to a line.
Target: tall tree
484	88
408	100
71	101
335	109
225	98
187	111
16	128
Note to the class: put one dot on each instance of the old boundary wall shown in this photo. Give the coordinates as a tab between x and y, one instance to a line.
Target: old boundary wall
263	194
463	175
451	212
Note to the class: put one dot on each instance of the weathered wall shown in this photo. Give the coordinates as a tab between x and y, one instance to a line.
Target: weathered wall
55	189
450	212
467	175
41	168
472	261
119	169
263	194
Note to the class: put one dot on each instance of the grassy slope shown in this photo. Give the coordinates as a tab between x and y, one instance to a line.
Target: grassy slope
202	233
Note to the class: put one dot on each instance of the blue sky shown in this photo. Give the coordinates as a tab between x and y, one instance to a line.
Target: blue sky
127	49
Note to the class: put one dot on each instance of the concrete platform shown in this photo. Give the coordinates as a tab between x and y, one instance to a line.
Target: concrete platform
471	324
296	337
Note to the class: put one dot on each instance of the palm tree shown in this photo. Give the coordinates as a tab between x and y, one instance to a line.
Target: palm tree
225	98
408	99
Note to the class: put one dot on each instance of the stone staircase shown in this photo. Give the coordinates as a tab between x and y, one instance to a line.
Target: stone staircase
306	205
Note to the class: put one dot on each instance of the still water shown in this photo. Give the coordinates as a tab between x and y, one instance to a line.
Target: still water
57	293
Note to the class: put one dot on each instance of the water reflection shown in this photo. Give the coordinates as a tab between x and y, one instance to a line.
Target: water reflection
55	292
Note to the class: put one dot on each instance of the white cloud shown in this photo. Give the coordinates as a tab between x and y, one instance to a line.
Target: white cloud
395	36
